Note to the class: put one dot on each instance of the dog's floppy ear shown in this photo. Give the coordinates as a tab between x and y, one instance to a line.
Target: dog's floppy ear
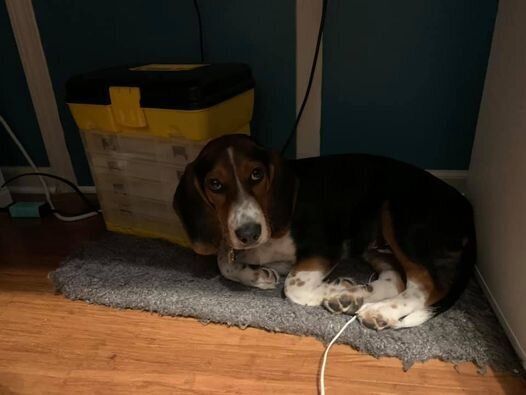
282	194
196	213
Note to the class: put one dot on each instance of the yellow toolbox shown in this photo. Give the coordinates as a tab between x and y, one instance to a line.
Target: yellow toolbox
141	125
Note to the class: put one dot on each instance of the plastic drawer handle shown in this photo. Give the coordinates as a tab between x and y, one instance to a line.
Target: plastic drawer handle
118	187
181	151
108	144
114	165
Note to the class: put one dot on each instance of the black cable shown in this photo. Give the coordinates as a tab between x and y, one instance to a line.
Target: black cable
311	77
201	46
90	205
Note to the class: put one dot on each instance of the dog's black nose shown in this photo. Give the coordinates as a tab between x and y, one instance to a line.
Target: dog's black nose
249	233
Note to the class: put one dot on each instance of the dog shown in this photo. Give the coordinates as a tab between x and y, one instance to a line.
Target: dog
265	216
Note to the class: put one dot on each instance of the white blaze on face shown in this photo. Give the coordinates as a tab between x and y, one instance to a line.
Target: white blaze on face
244	210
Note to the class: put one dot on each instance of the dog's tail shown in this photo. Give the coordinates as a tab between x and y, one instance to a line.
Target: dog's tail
454	268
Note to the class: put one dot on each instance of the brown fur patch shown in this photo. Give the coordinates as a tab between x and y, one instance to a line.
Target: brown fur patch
300	283
204	249
378	261
415	272
221	202
315	264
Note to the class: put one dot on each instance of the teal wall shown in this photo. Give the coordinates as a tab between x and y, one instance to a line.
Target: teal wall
400	78
79	36
404	78
15	103
261	33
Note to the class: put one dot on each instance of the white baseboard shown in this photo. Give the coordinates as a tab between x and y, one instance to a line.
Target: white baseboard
5	196
455	178
502	318
32	185
26	185
88	189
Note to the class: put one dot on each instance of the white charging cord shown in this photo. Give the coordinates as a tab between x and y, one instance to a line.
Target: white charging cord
47	193
326	353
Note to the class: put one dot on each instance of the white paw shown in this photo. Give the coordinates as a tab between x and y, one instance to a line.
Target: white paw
265	278
378	316
343	296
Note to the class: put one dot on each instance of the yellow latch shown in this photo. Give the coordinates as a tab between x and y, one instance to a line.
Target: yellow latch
126	106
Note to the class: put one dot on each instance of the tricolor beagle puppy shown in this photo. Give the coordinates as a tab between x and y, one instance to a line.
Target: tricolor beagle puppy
265	216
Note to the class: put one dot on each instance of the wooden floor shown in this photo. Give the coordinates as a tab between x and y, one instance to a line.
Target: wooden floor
52	345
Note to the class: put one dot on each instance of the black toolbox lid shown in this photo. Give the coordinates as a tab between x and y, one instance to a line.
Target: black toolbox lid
169	86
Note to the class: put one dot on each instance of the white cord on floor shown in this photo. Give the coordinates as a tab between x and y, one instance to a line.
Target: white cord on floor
76	217
326	353
42	181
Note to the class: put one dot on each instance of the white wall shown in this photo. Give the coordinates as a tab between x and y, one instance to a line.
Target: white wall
497	175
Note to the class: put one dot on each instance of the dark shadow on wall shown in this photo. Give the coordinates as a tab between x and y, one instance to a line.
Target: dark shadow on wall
405	78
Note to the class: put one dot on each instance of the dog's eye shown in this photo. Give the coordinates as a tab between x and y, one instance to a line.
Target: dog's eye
257	174
214	184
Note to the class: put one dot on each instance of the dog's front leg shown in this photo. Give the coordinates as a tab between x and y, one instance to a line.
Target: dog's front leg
241	272
306	283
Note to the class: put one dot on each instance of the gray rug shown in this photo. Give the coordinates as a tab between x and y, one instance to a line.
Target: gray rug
127	272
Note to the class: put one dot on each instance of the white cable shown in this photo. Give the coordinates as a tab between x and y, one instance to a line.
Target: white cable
76	217
326	353
47	193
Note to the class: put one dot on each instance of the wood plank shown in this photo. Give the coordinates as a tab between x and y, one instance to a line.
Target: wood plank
52	345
